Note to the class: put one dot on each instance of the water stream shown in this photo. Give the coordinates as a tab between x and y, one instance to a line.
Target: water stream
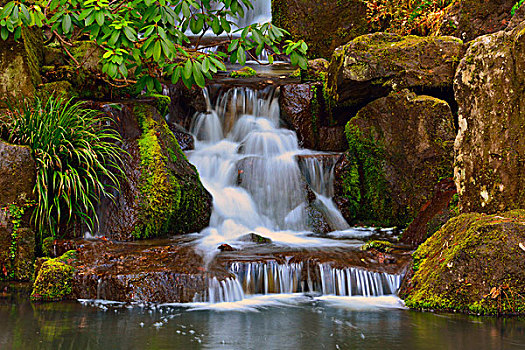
250	166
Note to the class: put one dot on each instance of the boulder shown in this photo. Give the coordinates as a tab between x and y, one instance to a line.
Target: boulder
373	65
20	63
162	193
54	278
399	148
324	25
490	145
469	19
17	238
473	264
303	109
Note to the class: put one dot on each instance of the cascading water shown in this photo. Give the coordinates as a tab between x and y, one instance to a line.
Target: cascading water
271	277
249	164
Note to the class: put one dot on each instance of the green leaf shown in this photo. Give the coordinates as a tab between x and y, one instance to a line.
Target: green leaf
197	75
4	33
225	25
241	55
186	10
187	69
66	23
157	51
176	75
99	17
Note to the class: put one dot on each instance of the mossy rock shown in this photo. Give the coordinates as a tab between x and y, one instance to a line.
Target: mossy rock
490	147
473	264
54	279
382	246
20	64
162	193
373	65
243	73
399	147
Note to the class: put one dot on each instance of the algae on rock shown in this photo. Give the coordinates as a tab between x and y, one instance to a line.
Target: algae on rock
400	146
54	278
20	63
473	264
162	193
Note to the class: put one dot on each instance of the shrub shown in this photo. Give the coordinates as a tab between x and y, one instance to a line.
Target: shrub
77	157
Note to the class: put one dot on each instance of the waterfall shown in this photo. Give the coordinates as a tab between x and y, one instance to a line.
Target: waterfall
354	281
250	166
271	277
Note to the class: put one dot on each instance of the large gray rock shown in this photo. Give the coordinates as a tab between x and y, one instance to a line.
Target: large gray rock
17	239
373	65
399	148
490	145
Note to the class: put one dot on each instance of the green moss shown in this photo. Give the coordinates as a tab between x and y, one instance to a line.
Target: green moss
57	88
382	246
159	196
54	279
162	103
48	246
473	264
243	73
364	182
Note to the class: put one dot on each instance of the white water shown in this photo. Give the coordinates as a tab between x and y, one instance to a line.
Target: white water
263	278
249	164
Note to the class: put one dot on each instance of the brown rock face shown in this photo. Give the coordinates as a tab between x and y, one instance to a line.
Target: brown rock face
490	145
162	193
17	239
324	25
302	109
157	272
20	65
468	19
433	213
399	148
372	65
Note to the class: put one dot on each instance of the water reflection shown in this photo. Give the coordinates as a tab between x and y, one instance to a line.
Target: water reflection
295	322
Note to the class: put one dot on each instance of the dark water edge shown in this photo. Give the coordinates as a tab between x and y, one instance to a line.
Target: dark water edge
296	322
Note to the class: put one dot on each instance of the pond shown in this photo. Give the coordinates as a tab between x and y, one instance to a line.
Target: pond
292	321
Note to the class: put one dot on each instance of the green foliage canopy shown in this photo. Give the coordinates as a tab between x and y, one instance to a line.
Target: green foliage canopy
146	40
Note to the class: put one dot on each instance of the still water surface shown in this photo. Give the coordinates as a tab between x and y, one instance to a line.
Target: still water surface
264	322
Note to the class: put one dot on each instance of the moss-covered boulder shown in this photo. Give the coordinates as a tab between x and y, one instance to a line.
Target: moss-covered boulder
20	63
399	148
324	25
469	19
54	278
373	65
17	239
162	193
473	264
490	146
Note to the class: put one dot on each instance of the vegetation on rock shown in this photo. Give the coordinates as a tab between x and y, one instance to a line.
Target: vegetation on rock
473	264
54	279
74	148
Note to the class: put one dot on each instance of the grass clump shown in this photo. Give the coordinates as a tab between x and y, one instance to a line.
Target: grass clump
77	157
